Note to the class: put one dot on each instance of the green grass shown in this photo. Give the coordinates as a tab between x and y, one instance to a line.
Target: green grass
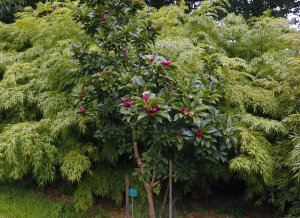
16	202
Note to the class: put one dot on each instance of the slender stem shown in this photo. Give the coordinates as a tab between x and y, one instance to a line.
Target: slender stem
164	202
148	185
127	196
157	182
153	177
136	151
170	190
132	211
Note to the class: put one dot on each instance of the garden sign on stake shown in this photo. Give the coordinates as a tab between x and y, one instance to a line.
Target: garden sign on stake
133	194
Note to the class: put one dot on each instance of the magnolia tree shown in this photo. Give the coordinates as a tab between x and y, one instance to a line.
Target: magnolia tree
165	112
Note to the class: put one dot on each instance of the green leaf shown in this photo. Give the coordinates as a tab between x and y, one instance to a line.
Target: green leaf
164	114
158	118
125	111
207	144
211	131
197	121
187	102
176	117
156	190
142	115
202	108
179	146
138	80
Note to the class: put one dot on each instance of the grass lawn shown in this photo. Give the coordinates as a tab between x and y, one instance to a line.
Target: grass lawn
16	202
19	202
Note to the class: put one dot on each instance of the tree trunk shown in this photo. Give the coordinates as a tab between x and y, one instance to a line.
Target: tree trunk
151	208
148	185
170	190
127	196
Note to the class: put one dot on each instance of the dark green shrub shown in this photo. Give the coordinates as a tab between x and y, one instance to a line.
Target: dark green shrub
2	70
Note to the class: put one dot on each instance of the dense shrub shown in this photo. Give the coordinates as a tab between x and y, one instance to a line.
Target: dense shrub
8	8
258	60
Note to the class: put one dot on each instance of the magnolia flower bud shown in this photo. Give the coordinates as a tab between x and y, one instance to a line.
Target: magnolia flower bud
146	97
184	111
166	63
153	110
198	133
127	102
83	109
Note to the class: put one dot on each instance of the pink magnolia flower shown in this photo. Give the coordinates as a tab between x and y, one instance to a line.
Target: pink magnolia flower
191	116
81	95
153	110
146	97
83	109
151	59
184	111
127	102
166	63
198	133
104	18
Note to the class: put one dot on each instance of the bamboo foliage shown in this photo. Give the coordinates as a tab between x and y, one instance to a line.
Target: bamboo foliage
41	135
259	60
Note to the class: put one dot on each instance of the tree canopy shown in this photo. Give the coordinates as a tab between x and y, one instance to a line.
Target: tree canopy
257	8
8	8
247	8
